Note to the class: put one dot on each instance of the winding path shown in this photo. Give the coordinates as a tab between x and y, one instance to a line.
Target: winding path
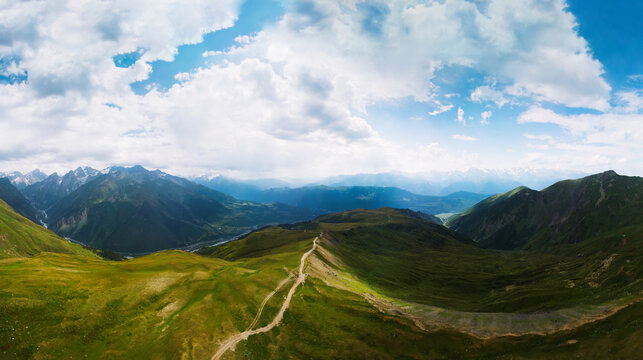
233	340
256	319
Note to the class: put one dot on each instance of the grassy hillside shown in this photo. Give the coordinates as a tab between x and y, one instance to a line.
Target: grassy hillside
20	237
402	256
382	284
569	211
12	196
166	305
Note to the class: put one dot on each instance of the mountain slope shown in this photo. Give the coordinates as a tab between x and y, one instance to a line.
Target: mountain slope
398	254
569	211
47	192
136	210
470	303
21	237
12	196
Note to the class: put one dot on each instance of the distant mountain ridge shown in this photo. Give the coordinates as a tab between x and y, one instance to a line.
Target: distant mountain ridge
21	180
136	210
47	192
446	182
568	211
328	199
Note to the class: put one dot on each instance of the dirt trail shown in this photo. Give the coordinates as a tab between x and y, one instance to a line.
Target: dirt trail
256	319
233	340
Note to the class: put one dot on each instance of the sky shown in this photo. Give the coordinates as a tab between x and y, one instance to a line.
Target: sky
316	88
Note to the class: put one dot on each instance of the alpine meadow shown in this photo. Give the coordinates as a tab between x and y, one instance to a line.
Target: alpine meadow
321	179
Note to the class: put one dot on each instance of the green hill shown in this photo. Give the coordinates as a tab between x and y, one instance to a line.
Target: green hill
569	211
12	196
398	254
380	284
20	237
136	210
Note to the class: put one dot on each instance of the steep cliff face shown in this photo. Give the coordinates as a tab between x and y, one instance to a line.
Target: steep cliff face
72	223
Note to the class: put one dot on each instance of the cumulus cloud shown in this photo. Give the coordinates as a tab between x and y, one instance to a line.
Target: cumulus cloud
488	93
242	39
598	140
294	97
460	118
68	45
629	101
484	117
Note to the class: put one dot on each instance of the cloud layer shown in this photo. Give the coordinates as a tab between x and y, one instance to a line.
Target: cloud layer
293	99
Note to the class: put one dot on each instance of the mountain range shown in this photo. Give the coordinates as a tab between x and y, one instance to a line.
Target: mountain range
569	211
45	193
437	183
21	180
134	210
323	199
376	284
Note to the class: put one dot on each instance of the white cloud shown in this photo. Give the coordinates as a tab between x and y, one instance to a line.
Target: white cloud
441	108
460	118
243	39
635	78
68	45
608	128
484	117
463	137
212	53
297	92
488	93
629	101
598	141
183	76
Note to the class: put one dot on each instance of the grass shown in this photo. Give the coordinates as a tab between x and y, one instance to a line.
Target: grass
420	262
168	304
327	323
19	237
180	305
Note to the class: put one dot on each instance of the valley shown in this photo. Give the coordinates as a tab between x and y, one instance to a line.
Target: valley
321	180
385	283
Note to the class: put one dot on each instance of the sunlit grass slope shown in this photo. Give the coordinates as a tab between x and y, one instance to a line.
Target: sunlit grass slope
19	236
368	286
406	257
168	305
390	255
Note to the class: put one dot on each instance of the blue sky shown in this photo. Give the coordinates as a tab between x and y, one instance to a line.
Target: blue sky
314	88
